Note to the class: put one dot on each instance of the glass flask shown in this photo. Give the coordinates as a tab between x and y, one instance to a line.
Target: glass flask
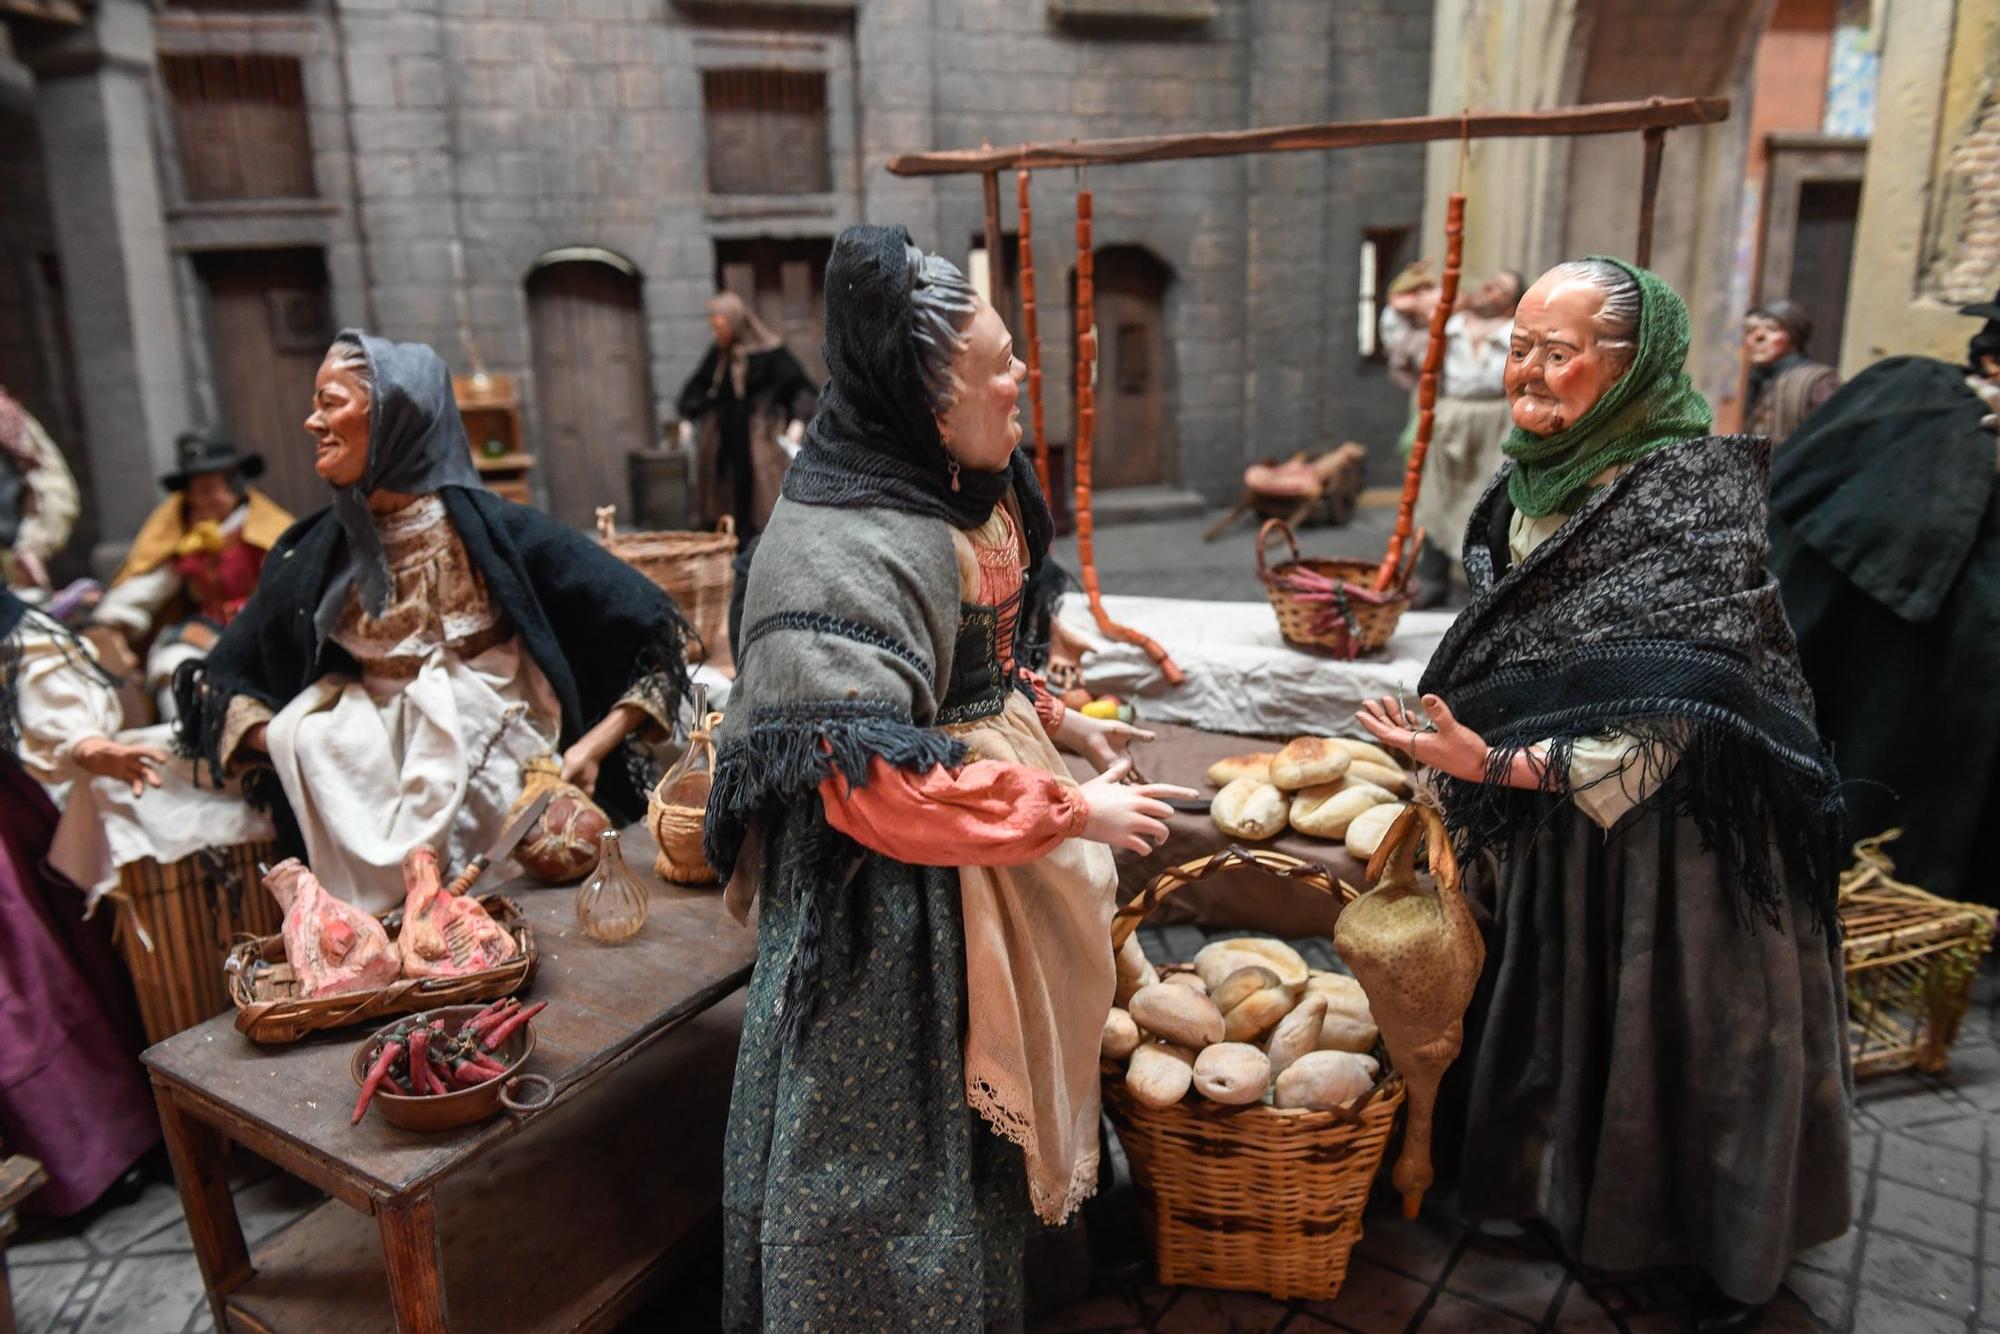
611	904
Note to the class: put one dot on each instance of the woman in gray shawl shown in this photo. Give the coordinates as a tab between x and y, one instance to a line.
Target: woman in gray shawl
1655	1064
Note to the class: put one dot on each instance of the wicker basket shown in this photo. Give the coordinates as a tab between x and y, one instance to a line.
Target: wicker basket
678	803
267	1010
1250	1198
694	569
1910	959
177	920
1355	620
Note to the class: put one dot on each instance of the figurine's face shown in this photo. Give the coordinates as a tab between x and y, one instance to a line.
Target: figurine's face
339	424
1556	367
718	324
984	423
1498	295
1765	340
210	498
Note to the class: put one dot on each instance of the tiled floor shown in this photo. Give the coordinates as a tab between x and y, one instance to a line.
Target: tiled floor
1924	1253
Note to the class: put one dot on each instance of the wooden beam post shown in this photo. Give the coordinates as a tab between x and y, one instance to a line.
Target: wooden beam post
994	268
1649	194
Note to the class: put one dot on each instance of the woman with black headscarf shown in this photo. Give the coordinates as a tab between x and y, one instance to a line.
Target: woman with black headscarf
1786	386
744	404
411	648
919	1061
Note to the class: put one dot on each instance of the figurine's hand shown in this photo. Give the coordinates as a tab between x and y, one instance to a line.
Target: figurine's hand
32	571
580	764
106	758
1453	748
1128	816
1102	741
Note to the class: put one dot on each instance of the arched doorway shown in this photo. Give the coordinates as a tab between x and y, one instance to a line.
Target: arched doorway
592	386
1134	378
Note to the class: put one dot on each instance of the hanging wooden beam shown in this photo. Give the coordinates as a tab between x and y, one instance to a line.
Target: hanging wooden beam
1649	194
994	267
1598	118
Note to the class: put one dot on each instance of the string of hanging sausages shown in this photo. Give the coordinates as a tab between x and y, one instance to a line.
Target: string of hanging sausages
1086	433
1030	331
1427	392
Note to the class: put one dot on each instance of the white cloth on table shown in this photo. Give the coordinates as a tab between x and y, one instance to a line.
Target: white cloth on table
1242	677
1612	772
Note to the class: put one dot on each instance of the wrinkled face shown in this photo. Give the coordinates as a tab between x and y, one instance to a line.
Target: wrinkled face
1556	369
1765	340
984	423
718	324
1498	295
339	424
210	498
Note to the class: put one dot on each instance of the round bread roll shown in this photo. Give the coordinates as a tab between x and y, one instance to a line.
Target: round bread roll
1324	1080
1349	1024
1308	760
1325	811
1218	959
1389	776
1366	751
1133	970
1296	1034
1232	1073
1255	765
1121	1035
1249	809
1177	1014
1366	831
1160	1073
1185	977
1240	985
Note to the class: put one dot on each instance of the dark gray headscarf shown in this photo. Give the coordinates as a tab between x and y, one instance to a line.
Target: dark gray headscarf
416	444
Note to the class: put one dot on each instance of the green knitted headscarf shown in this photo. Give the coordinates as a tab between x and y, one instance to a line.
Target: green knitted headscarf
1652	405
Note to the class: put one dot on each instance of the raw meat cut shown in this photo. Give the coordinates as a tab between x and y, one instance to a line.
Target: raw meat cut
445	935
332	946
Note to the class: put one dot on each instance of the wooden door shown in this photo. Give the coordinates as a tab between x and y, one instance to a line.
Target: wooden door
268	326
784	282
1131	370
1822	257
592	386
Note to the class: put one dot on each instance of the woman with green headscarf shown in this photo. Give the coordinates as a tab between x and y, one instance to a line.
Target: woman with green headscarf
1655	1064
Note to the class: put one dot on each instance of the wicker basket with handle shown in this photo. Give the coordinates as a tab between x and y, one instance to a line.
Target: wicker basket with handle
1330	605
1250	1198
678	803
696	570
268	1008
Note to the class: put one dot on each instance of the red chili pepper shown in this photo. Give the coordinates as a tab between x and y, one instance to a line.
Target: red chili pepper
492	1009
376	1073
506	1030
480	1025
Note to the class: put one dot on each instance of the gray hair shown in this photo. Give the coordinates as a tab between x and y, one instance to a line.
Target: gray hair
942	304
1617	323
348	355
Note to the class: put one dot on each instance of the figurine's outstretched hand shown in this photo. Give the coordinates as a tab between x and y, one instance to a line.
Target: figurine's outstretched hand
1443	743
1129	816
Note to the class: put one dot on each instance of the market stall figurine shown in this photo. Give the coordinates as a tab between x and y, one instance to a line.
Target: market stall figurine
196	559
416	645
1655	1063
38	499
743	410
1786	386
918	1076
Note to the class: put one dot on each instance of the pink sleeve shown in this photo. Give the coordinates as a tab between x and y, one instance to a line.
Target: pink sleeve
987	813
1047	707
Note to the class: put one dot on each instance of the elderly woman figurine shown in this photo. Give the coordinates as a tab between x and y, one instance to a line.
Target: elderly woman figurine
919	1061
1655	1064
415	646
744	406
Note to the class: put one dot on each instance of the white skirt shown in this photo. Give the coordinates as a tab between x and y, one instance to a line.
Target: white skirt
378	766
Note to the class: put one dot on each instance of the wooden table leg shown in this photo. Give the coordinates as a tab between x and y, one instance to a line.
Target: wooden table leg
416	1265
200	1154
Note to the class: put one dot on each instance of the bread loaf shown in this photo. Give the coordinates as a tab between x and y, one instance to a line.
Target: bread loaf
1366	752
1325	811
1307	761
1256	765
1160	1073
1389	776
1249	809
1324	1080
1232	1073
1177	1014
1366	831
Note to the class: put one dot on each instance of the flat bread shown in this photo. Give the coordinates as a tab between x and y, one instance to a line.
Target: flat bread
1308	762
1255	765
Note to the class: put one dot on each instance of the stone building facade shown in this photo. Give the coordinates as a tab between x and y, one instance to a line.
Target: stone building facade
551	190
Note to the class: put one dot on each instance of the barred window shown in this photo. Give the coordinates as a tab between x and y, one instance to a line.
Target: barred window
767	132
241	125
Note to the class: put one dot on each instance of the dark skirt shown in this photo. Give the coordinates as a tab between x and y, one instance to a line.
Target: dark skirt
860	1192
1658	1082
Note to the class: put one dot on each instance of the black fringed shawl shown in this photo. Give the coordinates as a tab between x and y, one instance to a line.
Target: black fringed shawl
1650	613
593	624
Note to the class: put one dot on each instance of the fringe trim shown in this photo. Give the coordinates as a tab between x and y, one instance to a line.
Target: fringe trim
1018	1129
1747	803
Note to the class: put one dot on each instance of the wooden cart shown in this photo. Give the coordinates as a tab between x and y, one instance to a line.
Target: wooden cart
562	1218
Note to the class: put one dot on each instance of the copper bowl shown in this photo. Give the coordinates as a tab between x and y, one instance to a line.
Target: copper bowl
464	1107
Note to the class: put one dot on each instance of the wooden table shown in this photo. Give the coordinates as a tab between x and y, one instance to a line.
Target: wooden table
20	1177
564	1230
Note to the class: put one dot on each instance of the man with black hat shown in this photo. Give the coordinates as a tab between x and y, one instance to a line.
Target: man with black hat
1885	539
1785	386
196	559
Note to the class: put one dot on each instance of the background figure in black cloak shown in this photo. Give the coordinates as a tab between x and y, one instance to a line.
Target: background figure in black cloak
745	407
1785	386
1885	537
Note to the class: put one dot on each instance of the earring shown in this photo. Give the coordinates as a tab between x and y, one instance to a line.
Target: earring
952	463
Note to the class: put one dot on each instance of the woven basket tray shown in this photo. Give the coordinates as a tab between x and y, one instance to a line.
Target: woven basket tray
267	1011
696	570
1250	1198
1358	620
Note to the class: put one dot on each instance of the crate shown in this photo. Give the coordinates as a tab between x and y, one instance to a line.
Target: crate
177	921
1910	959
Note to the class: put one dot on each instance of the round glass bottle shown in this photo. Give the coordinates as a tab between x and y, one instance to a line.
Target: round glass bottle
611	903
